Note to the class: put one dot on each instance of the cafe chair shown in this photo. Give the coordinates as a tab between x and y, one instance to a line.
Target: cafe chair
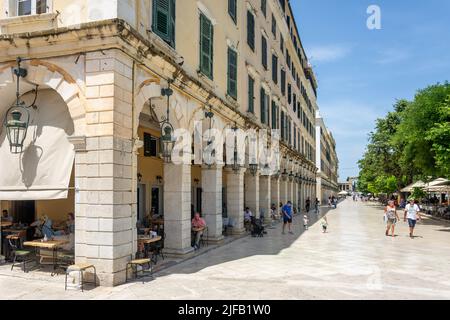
81	268
135	264
20	257
204	238
157	248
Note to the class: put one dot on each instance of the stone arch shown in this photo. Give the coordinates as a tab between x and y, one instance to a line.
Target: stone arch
48	75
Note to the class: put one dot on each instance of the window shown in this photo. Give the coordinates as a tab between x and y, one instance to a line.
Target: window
282	126
264	52
150	145
275	69
283	82
289	97
264	107
29	7
274	26
164	20
294	102
251	30
275	116
251	94
206	46
264	7
282	44
232	73
232	10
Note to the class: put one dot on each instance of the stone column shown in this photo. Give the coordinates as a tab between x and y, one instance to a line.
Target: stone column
235	198
252	192
177	208
296	194
212	201
291	191
284	191
105	228
265	196
275	191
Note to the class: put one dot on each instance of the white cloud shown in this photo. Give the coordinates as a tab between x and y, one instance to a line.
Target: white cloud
392	55
328	53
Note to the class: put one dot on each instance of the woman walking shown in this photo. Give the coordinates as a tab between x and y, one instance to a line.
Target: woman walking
391	217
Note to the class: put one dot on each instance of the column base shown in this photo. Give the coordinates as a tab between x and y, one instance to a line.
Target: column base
178	252
238	232
215	240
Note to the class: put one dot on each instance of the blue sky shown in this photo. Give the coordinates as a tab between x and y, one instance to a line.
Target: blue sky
362	72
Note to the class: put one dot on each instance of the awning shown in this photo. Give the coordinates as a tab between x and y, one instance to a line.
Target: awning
43	170
410	188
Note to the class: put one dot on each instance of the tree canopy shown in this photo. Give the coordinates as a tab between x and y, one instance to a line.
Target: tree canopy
411	142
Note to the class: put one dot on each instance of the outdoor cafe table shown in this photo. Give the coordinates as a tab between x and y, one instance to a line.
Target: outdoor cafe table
146	241
49	245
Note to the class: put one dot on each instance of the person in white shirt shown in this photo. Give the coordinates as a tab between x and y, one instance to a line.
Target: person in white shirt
412	214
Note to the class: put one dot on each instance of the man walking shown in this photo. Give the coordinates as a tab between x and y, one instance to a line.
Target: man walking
412	214
287	217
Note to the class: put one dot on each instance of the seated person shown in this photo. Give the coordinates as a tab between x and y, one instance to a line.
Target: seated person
198	226
247	218
6	217
70	223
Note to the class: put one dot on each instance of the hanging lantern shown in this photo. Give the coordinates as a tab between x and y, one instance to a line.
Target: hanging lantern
285	175
167	142
16	128
17	117
291	176
253	169
167	138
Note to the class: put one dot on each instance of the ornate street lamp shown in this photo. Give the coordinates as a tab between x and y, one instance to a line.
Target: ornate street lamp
167	139
210	115
291	176
236	166
285	175
253	168
17	118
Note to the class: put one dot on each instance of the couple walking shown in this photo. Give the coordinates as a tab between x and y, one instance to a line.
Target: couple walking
411	215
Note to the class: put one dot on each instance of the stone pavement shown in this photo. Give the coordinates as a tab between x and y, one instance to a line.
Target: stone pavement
355	260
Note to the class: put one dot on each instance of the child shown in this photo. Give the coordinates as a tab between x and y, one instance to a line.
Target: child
324	224
305	222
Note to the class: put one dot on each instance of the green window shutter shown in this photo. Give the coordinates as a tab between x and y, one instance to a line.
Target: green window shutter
232	73
274	115
264	7
164	20
264	51
251	30
275	69
263	105
206	46
251	95
232	10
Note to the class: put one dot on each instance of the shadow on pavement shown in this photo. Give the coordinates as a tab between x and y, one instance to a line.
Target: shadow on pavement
271	244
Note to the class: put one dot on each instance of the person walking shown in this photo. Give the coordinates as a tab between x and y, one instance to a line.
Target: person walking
287	217
412	213
305	222
329	201
391	218
317	205
324	224
308	205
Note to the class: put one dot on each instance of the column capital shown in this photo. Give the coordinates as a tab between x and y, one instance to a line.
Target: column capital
212	167
232	171
79	143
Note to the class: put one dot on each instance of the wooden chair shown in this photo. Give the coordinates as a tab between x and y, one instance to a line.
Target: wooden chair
20	256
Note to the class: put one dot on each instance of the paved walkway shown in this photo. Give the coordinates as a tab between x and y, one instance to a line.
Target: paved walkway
355	260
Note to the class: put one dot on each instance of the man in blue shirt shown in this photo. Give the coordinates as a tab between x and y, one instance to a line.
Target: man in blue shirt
287	217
